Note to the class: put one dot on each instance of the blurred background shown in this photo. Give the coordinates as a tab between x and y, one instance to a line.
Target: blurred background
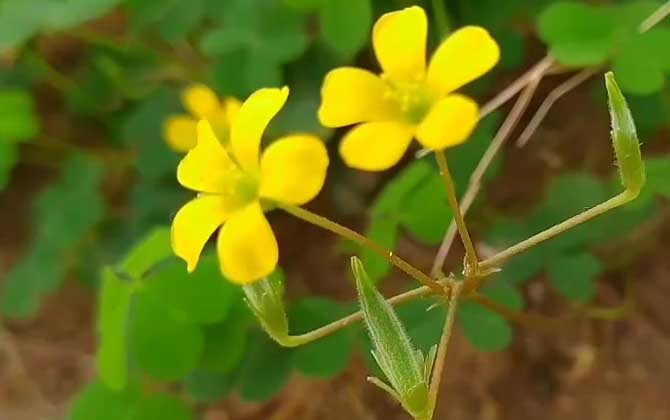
86	175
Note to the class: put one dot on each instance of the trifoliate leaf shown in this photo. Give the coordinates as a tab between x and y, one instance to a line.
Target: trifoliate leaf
264	369
98	402
485	330
162	407
346	24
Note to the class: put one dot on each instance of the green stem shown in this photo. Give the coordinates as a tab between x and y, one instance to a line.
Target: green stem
361	240
589	214
298	340
440	358
470	253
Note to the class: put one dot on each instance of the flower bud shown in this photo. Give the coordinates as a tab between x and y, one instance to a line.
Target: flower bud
624	139
266	300
402	364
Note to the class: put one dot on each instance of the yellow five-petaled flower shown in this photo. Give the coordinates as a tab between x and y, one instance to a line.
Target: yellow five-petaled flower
409	99
180	130
236	184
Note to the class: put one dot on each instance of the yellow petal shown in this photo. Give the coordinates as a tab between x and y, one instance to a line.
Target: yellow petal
247	246
194	224
293	169
232	108
464	56
207	167
350	95
180	132
251	121
376	146
399	40
449	122
200	101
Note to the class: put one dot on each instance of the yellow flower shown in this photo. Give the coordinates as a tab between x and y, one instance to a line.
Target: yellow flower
409	99
203	104
232	180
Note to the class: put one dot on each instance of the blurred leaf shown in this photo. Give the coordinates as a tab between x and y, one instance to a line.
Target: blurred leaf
165	347
162	407
426	213
264	369
226	341
304	5
329	356
345	24
485	330
577	34
113	310
17	119
573	276
201	297
241	72
65	213
423	320
19	20
205	386
383	229
658	174
100	403
643	64
154	248
504	294
181	19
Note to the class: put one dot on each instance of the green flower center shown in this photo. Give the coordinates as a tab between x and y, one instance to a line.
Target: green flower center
414	99
247	187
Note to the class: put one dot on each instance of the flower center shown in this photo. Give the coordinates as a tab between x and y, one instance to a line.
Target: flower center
246	188
413	98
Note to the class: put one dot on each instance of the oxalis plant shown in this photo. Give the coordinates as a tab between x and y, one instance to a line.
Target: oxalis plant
237	184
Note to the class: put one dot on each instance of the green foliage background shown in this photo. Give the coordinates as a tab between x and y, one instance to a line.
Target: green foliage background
110	188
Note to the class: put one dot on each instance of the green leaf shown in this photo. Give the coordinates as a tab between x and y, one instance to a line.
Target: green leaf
17	119
241	72
162	407
642	64
100	403
658	174
154	248
264	369
165	347
485	330
577	34
113	311
573	276
326	357
384	231
181	19
345	24
226	341
59	226
19	21
201	297
205	386
426	213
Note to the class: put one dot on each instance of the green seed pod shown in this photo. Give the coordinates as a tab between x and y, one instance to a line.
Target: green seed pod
266	300
624	138
401	363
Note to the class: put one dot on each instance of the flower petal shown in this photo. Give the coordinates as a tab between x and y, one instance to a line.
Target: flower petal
251	121
200	101
180	132
449	122
350	95
376	146
464	56
194	224
207	167
247	247
232	108
399	40
293	169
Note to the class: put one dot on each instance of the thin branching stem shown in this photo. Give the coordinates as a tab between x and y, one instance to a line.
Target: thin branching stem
364	241
534	240
470	252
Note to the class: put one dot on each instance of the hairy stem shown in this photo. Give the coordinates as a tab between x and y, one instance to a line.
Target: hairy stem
589	214
362	240
441	357
470	253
